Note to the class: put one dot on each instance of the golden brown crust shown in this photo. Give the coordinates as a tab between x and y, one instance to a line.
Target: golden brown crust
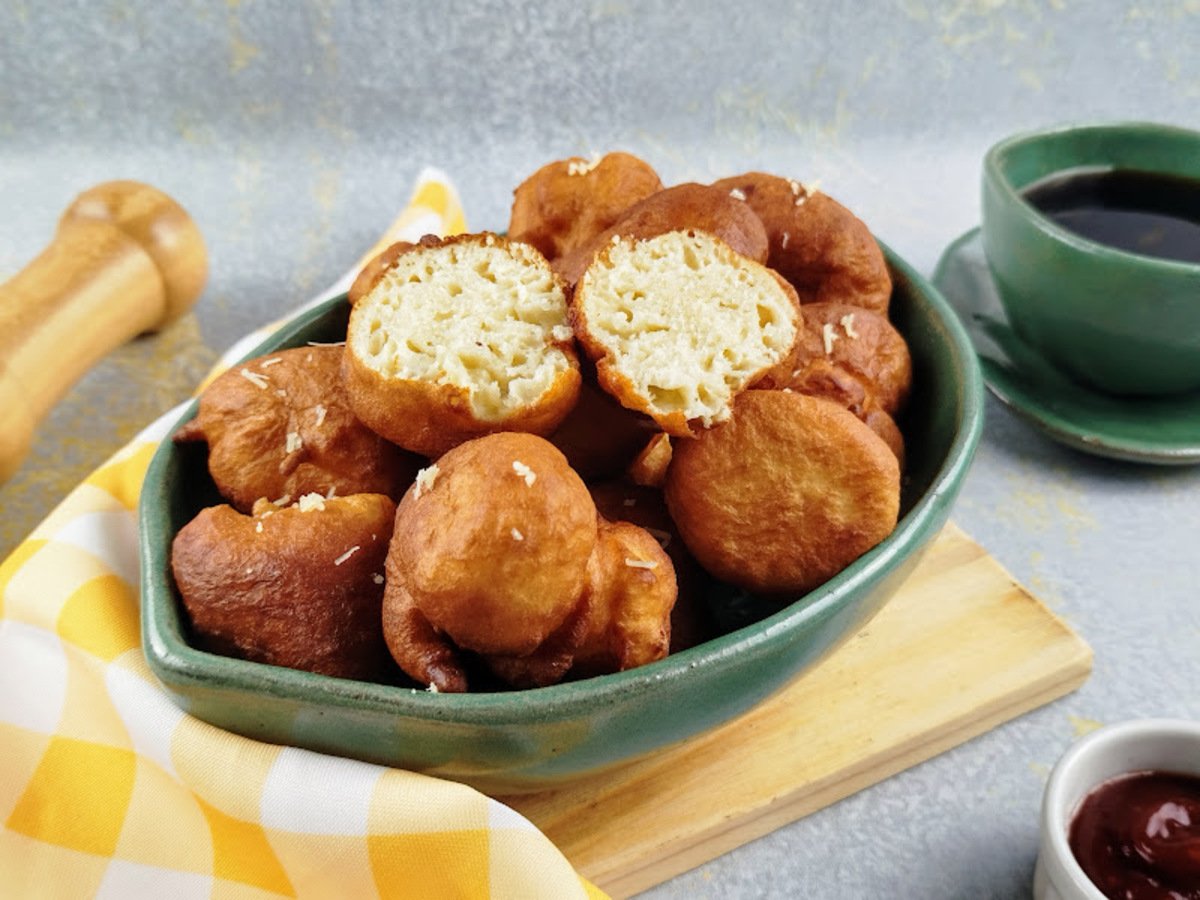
281	425
377	266
887	429
818	245
692	622
428	415
430	419
493	543
863	343
551	660
425	656
785	495
565	204
649	468
625	392
684	206
301	589
821	377
630	593
718	335
599	437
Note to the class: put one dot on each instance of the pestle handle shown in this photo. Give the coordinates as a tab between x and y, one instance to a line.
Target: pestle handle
126	259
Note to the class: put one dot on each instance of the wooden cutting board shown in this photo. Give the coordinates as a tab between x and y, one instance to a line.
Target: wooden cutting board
961	648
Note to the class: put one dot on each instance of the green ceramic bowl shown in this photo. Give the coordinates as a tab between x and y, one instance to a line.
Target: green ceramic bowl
1121	322
528	740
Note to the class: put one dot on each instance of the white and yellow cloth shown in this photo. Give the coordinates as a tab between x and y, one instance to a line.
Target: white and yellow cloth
109	790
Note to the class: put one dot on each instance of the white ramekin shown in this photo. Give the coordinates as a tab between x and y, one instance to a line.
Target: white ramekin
1140	745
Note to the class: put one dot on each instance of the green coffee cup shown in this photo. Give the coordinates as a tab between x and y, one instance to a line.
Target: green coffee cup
1121	322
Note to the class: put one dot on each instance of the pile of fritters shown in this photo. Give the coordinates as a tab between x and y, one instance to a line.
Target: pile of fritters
535	453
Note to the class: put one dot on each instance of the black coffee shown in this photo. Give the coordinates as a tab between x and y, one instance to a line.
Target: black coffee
1139	212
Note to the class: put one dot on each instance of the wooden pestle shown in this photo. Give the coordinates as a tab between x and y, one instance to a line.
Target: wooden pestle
126	259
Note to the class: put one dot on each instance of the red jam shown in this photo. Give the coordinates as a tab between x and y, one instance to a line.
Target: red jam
1138	837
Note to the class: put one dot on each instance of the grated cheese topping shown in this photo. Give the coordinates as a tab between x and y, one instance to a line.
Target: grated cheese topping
294	442
802	191
377	578
525	472
259	381
258	527
579	166
270	362
783	241
345	556
517	536
737	194
828	335
641	563
848	325
320	410
311	503
425	480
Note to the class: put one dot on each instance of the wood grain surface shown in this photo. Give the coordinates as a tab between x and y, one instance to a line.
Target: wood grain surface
960	649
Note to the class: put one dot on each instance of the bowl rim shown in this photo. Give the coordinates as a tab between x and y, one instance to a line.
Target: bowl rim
1103	743
175	662
993	174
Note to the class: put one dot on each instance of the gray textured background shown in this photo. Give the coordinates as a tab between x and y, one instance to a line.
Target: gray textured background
292	133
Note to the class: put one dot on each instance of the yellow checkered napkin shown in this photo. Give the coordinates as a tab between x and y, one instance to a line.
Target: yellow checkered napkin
107	789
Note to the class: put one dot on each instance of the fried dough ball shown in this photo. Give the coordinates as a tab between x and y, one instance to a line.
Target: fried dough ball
424	654
692	622
679	323
600	437
375	269
817	244
649	468
492	543
460	337
565	204
685	206
821	377
300	586
281	426
431	658
887	429
551	661
785	495
630	590
863	343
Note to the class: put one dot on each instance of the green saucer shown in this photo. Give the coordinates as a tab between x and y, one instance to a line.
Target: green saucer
1160	430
